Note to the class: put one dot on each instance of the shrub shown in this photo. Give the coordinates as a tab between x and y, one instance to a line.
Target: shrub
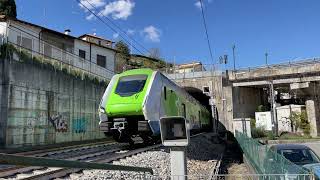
270	135
261	108
258	132
290	135
304	123
252	123
300	120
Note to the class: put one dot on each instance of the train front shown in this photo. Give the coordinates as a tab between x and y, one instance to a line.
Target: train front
120	110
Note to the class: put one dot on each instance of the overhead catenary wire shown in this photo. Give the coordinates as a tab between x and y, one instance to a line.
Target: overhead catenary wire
113	29
206	31
117	26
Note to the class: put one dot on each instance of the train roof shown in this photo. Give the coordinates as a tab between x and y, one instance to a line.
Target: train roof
146	71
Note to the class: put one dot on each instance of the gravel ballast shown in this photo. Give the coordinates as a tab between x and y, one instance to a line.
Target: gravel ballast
202	155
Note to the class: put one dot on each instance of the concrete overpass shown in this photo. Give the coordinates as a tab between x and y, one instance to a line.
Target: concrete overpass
239	93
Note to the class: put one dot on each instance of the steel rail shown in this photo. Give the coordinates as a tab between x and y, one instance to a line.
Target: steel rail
21	169
102	160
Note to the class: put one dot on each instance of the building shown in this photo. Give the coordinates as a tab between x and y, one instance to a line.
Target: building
93	38
189	67
90	53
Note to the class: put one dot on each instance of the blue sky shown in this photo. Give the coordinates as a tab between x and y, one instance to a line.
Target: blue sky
286	29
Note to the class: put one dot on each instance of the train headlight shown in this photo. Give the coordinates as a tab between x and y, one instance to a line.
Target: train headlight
101	110
102	115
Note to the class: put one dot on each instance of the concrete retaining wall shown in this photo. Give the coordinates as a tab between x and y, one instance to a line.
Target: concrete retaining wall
44	106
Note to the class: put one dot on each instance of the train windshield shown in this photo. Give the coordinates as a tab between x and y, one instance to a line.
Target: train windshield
129	85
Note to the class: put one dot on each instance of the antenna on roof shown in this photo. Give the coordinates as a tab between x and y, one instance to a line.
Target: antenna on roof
44	16
67	31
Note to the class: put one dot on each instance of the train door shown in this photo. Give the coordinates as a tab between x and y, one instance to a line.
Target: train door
199	118
184	112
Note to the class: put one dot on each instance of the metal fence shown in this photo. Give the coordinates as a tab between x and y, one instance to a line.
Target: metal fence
266	161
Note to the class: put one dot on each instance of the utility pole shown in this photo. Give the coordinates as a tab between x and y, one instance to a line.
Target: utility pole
234	57
266	54
274	118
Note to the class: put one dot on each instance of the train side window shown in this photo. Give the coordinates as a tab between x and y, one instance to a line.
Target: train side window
165	92
184	113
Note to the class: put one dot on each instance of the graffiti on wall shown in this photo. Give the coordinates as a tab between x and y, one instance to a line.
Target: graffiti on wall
59	123
79	125
33	119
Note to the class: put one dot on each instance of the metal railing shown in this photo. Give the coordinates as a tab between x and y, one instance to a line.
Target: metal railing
298	63
148	176
70	62
266	161
56	54
206	70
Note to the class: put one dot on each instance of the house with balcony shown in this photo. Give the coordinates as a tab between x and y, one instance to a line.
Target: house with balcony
89	53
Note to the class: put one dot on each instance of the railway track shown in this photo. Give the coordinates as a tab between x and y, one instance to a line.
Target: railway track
84	154
59	153
101	157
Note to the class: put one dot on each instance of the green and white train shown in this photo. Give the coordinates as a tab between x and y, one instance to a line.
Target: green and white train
135	100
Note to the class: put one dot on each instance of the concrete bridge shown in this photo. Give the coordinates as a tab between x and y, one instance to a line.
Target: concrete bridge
239	93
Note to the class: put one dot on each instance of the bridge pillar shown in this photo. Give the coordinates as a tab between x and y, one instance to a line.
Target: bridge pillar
312	117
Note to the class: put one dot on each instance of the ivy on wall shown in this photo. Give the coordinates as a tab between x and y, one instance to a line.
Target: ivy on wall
56	65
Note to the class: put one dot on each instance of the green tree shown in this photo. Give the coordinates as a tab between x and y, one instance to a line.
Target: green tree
8	8
122	57
300	120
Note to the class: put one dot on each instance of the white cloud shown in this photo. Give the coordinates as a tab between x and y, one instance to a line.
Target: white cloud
115	35
120	9
198	4
151	33
130	32
88	3
90	17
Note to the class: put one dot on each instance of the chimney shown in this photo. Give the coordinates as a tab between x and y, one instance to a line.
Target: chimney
67	31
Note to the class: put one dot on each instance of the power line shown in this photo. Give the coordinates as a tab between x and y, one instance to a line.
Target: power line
206	30
117	26
114	30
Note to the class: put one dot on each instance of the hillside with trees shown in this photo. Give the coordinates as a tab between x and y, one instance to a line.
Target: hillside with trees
125	60
8	8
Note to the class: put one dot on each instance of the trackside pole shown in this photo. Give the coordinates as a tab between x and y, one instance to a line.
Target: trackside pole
175	134
178	163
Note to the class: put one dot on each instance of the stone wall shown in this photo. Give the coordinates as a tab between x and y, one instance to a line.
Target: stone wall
42	106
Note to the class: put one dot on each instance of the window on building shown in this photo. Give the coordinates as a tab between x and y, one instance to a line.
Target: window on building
24	42
101	60
82	54
165	92
47	50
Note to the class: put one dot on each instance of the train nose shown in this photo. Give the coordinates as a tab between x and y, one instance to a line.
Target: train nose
124	109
